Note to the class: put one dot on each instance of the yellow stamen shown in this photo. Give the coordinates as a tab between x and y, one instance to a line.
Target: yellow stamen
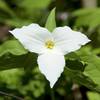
49	44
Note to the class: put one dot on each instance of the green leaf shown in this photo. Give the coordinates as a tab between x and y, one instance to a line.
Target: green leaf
75	65
72	56
93	68
93	96
13	47
92	61
9	61
92	15
51	23
85	11
81	79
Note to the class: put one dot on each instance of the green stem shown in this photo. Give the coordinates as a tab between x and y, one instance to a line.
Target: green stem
52	95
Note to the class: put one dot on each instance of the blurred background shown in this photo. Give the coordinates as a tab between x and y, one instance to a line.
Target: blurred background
21	84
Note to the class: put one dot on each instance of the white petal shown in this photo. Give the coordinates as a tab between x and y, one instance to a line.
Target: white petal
51	65
68	40
32	37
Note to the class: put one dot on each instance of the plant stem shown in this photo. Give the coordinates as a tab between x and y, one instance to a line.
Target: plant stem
52	95
11	95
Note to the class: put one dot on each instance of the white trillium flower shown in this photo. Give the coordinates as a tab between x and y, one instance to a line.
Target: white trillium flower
50	47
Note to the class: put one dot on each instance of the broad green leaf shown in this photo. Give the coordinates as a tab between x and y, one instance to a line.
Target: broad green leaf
96	51
13	47
75	65
92	61
74	62
93	96
51	23
9	61
72	56
93	68
13	55
81	79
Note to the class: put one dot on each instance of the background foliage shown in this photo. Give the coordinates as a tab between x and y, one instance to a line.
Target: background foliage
20	78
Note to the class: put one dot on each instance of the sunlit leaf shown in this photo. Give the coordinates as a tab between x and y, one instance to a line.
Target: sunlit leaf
92	61
51	23
93	68
93	96
13	47
87	17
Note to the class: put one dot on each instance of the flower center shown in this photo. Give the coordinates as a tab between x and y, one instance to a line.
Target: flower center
49	44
